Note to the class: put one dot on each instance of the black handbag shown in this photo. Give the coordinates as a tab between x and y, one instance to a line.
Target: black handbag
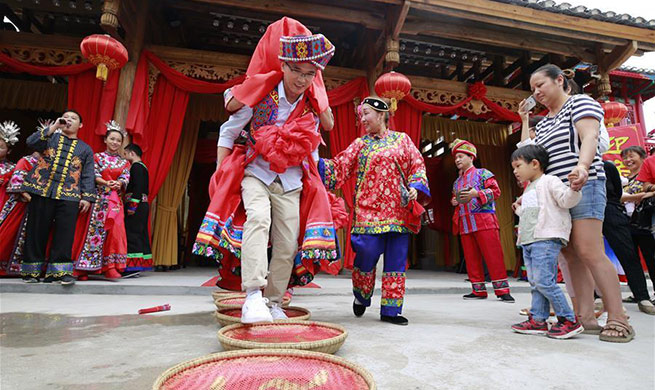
642	217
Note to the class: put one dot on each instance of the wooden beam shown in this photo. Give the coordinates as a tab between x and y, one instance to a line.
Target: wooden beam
512	67
48	6
499	79
236	60
515	16
484	36
461	88
297	9
134	44
388	56
22	39
487	72
618	56
399	21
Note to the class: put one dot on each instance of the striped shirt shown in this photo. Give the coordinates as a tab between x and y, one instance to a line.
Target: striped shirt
560	137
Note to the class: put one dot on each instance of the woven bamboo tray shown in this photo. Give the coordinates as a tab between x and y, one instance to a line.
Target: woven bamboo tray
235	302
266	369
289	334
220	294
227	317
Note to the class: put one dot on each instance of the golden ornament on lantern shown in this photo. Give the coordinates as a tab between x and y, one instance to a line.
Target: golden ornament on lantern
105	52
614	112
393	86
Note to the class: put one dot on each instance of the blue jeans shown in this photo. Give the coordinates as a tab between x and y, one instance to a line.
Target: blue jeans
593	202
540	260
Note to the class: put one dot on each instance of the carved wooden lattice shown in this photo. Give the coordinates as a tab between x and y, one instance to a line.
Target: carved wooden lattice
40	56
447	98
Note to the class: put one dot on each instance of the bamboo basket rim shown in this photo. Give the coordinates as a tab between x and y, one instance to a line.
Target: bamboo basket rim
304	345
220	294
361	371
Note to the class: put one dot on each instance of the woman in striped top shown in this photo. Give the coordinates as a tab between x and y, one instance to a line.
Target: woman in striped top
570	135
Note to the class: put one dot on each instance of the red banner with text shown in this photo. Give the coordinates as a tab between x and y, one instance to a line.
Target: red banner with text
622	137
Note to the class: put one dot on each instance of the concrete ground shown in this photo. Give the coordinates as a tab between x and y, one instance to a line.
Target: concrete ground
84	338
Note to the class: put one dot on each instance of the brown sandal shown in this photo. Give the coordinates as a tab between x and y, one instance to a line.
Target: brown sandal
626	333
592	329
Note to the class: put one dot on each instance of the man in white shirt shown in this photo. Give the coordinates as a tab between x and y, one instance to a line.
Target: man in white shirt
271	198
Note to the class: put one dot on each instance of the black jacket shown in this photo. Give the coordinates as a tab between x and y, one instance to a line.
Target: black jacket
65	169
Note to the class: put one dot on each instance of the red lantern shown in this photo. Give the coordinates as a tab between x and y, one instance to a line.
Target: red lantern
393	86
614	112
105	53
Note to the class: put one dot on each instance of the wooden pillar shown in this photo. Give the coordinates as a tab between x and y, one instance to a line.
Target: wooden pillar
134	43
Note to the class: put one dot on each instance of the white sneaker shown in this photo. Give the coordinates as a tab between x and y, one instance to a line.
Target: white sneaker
278	313
254	310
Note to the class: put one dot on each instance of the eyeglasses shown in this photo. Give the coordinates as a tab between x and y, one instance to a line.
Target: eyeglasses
298	73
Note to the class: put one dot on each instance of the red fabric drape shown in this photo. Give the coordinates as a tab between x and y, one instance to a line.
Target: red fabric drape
476	91
11	65
346	93
92	98
139	110
345	131
157	127
409	120
163	129
95	102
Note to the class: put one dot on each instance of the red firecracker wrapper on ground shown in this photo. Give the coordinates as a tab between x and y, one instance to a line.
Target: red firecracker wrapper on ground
155	309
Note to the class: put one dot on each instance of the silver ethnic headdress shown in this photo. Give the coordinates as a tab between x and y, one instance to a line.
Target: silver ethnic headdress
9	131
115	126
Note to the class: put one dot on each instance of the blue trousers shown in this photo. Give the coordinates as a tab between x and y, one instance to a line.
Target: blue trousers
368	248
540	260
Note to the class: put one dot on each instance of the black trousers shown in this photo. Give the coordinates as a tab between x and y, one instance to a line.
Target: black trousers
616	229
44	214
645	242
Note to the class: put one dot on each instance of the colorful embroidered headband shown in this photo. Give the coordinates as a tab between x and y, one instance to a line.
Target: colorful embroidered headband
462	146
316	49
115	126
9	131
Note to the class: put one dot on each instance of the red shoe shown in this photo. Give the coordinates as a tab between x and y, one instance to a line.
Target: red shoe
565	329
112	274
530	326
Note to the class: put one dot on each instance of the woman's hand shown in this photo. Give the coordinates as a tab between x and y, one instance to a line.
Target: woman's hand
523	113
648	195
25	197
578	177
412	193
454	202
115	185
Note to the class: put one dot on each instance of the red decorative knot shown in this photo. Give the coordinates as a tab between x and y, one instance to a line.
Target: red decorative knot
105	52
477	90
